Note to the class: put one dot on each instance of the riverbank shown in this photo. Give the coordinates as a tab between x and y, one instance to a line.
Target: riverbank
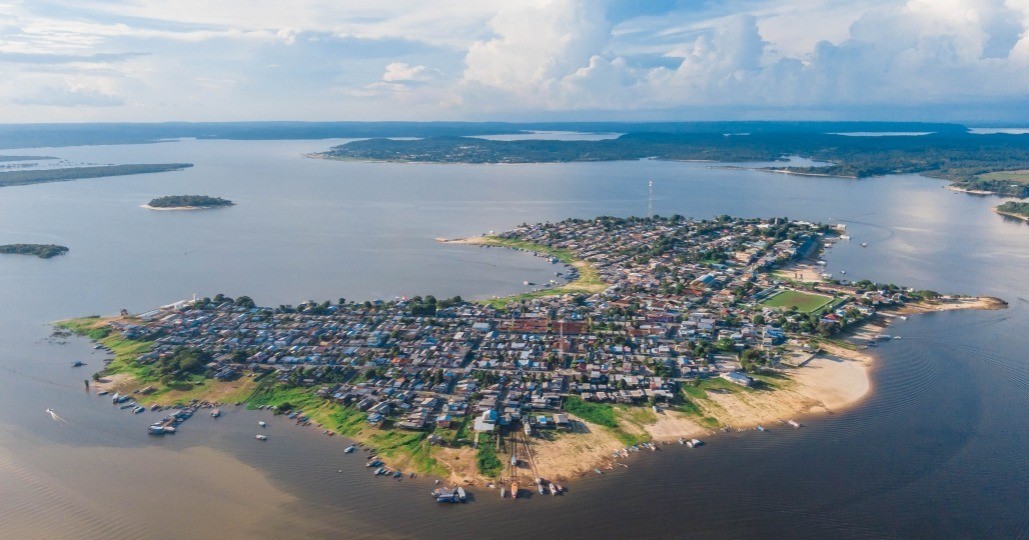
959	189
162	208
587	281
1012	215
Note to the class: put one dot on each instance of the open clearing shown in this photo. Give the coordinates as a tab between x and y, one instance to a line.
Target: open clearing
1021	177
804	302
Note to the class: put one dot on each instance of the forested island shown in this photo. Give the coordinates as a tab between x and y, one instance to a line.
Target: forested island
43	251
188	201
24	158
1015	209
24	178
966	159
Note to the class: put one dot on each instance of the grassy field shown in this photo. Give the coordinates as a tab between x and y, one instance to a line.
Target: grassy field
1021	177
588	282
804	302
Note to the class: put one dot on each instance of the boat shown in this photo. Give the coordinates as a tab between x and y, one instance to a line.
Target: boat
155	407
262	423
694	443
398	474
514	490
78	363
156	429
127	406
682	441
169	429
760	427
447	495
503	493
793	423
261	437
864	244
114	398
348	450
102	393
373	463
597	471
553	489
379	471
461	494
216	413
138	409
514	460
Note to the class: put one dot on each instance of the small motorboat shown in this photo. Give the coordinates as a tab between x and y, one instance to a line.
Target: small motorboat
138	409
216	413
261	437
78	363
348	450
760	427
262	423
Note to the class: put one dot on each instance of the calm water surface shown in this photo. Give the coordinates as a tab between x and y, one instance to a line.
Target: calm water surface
938	450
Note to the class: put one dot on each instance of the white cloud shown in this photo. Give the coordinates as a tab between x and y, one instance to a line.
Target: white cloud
193	59
401	72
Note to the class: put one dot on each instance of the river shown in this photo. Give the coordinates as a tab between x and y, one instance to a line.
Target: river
937	450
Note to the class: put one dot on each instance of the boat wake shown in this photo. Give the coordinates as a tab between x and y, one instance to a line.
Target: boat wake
55	416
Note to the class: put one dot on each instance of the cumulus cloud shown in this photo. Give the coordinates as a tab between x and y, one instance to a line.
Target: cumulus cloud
537	43
402	73
511	58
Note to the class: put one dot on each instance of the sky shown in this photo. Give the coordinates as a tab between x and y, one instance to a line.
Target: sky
514	60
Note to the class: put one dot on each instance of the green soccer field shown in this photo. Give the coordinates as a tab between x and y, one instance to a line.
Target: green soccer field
805	302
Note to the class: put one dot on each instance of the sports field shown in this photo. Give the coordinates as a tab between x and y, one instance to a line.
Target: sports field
805	302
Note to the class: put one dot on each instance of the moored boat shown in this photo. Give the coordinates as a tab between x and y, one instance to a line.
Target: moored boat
348	450
216	413
793	423
514	490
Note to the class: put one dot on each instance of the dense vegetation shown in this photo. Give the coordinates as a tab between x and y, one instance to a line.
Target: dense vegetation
1017	208
959	157
43	251
23	178
486	460
189	201
594	413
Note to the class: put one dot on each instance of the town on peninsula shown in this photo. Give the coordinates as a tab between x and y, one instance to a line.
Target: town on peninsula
653	331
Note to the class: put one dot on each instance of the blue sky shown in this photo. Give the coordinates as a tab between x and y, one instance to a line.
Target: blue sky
149	60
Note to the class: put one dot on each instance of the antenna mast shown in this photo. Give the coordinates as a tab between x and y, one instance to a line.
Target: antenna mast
650	199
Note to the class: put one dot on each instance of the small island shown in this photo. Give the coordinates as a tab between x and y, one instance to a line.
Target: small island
1018	210
187	202
43	251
